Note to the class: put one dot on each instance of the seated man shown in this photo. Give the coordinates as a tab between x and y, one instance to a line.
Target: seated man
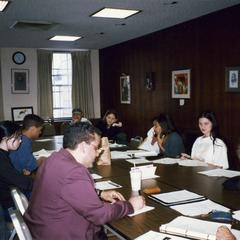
77	116
64	203
22	158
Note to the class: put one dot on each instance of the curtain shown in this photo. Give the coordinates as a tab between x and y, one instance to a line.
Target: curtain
82	90
1	93
45	95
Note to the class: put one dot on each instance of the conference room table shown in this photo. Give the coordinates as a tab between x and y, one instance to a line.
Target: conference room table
171	178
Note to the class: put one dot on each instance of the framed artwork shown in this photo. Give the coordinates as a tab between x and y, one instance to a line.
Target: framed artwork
18	113
125	90
20	81
149	81
181	83
232	79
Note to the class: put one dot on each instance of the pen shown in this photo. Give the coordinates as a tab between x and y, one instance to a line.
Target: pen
114	184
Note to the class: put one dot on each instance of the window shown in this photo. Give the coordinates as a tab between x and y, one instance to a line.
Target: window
62	85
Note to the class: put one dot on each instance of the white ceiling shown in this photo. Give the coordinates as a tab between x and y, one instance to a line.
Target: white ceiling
71	17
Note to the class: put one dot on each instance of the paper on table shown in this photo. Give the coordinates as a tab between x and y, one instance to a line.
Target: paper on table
166	160
198	208
218	172
236	233
148	171
193	228
138	160
44	140
106	185
142	210
141	153
192	163
43	153
177	197
152	235
119	155
116	145
96	176
236	215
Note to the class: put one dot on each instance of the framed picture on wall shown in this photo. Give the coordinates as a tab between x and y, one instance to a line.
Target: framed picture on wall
125	90
181	83
18	113
20	81
232	79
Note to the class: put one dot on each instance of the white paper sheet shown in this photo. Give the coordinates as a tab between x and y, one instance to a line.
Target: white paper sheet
138	161
148	171
236	233
119	155
219	172
166	161
141	153
43	153
236	215
180	197
44	140
116	145
198	208
192	163
195	228
144	209
152	235
106	185
96	176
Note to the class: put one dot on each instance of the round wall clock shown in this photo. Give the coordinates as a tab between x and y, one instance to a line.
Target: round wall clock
19	57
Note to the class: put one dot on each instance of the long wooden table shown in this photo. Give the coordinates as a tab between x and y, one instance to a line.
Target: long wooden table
172	177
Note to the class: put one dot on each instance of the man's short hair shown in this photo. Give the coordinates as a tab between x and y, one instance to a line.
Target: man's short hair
32	120
77	110
77	133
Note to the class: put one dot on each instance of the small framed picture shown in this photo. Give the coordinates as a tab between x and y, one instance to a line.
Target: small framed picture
20	81
232	78
18	113
125	90
181	84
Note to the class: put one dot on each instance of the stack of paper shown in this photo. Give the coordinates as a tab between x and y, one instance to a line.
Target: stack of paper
136	161
192	228
106	185
119	155
117	145
198	208
192	163
142	210
151	235
219	172
176	197
42	153
96	176
166	160
148	171
141	153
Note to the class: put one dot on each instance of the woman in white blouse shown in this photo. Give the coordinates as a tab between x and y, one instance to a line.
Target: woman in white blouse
208	147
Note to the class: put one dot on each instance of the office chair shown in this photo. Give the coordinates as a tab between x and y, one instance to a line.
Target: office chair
20	200
19	225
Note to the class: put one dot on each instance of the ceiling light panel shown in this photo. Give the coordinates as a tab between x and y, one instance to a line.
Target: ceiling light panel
3	4
65	38
114	13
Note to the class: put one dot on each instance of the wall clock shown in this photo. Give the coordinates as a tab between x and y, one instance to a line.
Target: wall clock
18	58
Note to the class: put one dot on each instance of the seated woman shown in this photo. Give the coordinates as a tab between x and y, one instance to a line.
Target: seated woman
163	138
10	139
111	127
208	147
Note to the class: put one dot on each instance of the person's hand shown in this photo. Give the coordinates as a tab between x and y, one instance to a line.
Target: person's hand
185	156
26	172
223	233
111	196
137	202
117	124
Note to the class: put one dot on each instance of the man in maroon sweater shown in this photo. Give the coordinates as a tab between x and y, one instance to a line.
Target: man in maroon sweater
64	203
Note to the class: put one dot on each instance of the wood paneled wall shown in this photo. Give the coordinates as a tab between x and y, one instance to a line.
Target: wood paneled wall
205	45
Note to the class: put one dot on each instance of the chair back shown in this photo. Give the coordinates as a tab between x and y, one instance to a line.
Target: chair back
19	225
48	130
63	127
20	200
135	142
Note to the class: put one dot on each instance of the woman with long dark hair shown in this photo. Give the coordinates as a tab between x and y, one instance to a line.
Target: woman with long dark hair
208	147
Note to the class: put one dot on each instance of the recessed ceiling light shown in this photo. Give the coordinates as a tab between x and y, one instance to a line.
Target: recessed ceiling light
115	13
65	38
3	4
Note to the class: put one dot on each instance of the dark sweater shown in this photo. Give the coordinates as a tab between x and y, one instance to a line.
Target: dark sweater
10	177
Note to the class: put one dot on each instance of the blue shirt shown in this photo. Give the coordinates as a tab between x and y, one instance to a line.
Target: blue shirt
22	158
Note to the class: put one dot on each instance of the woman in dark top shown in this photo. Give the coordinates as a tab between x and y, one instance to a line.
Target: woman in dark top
111	127
10	139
